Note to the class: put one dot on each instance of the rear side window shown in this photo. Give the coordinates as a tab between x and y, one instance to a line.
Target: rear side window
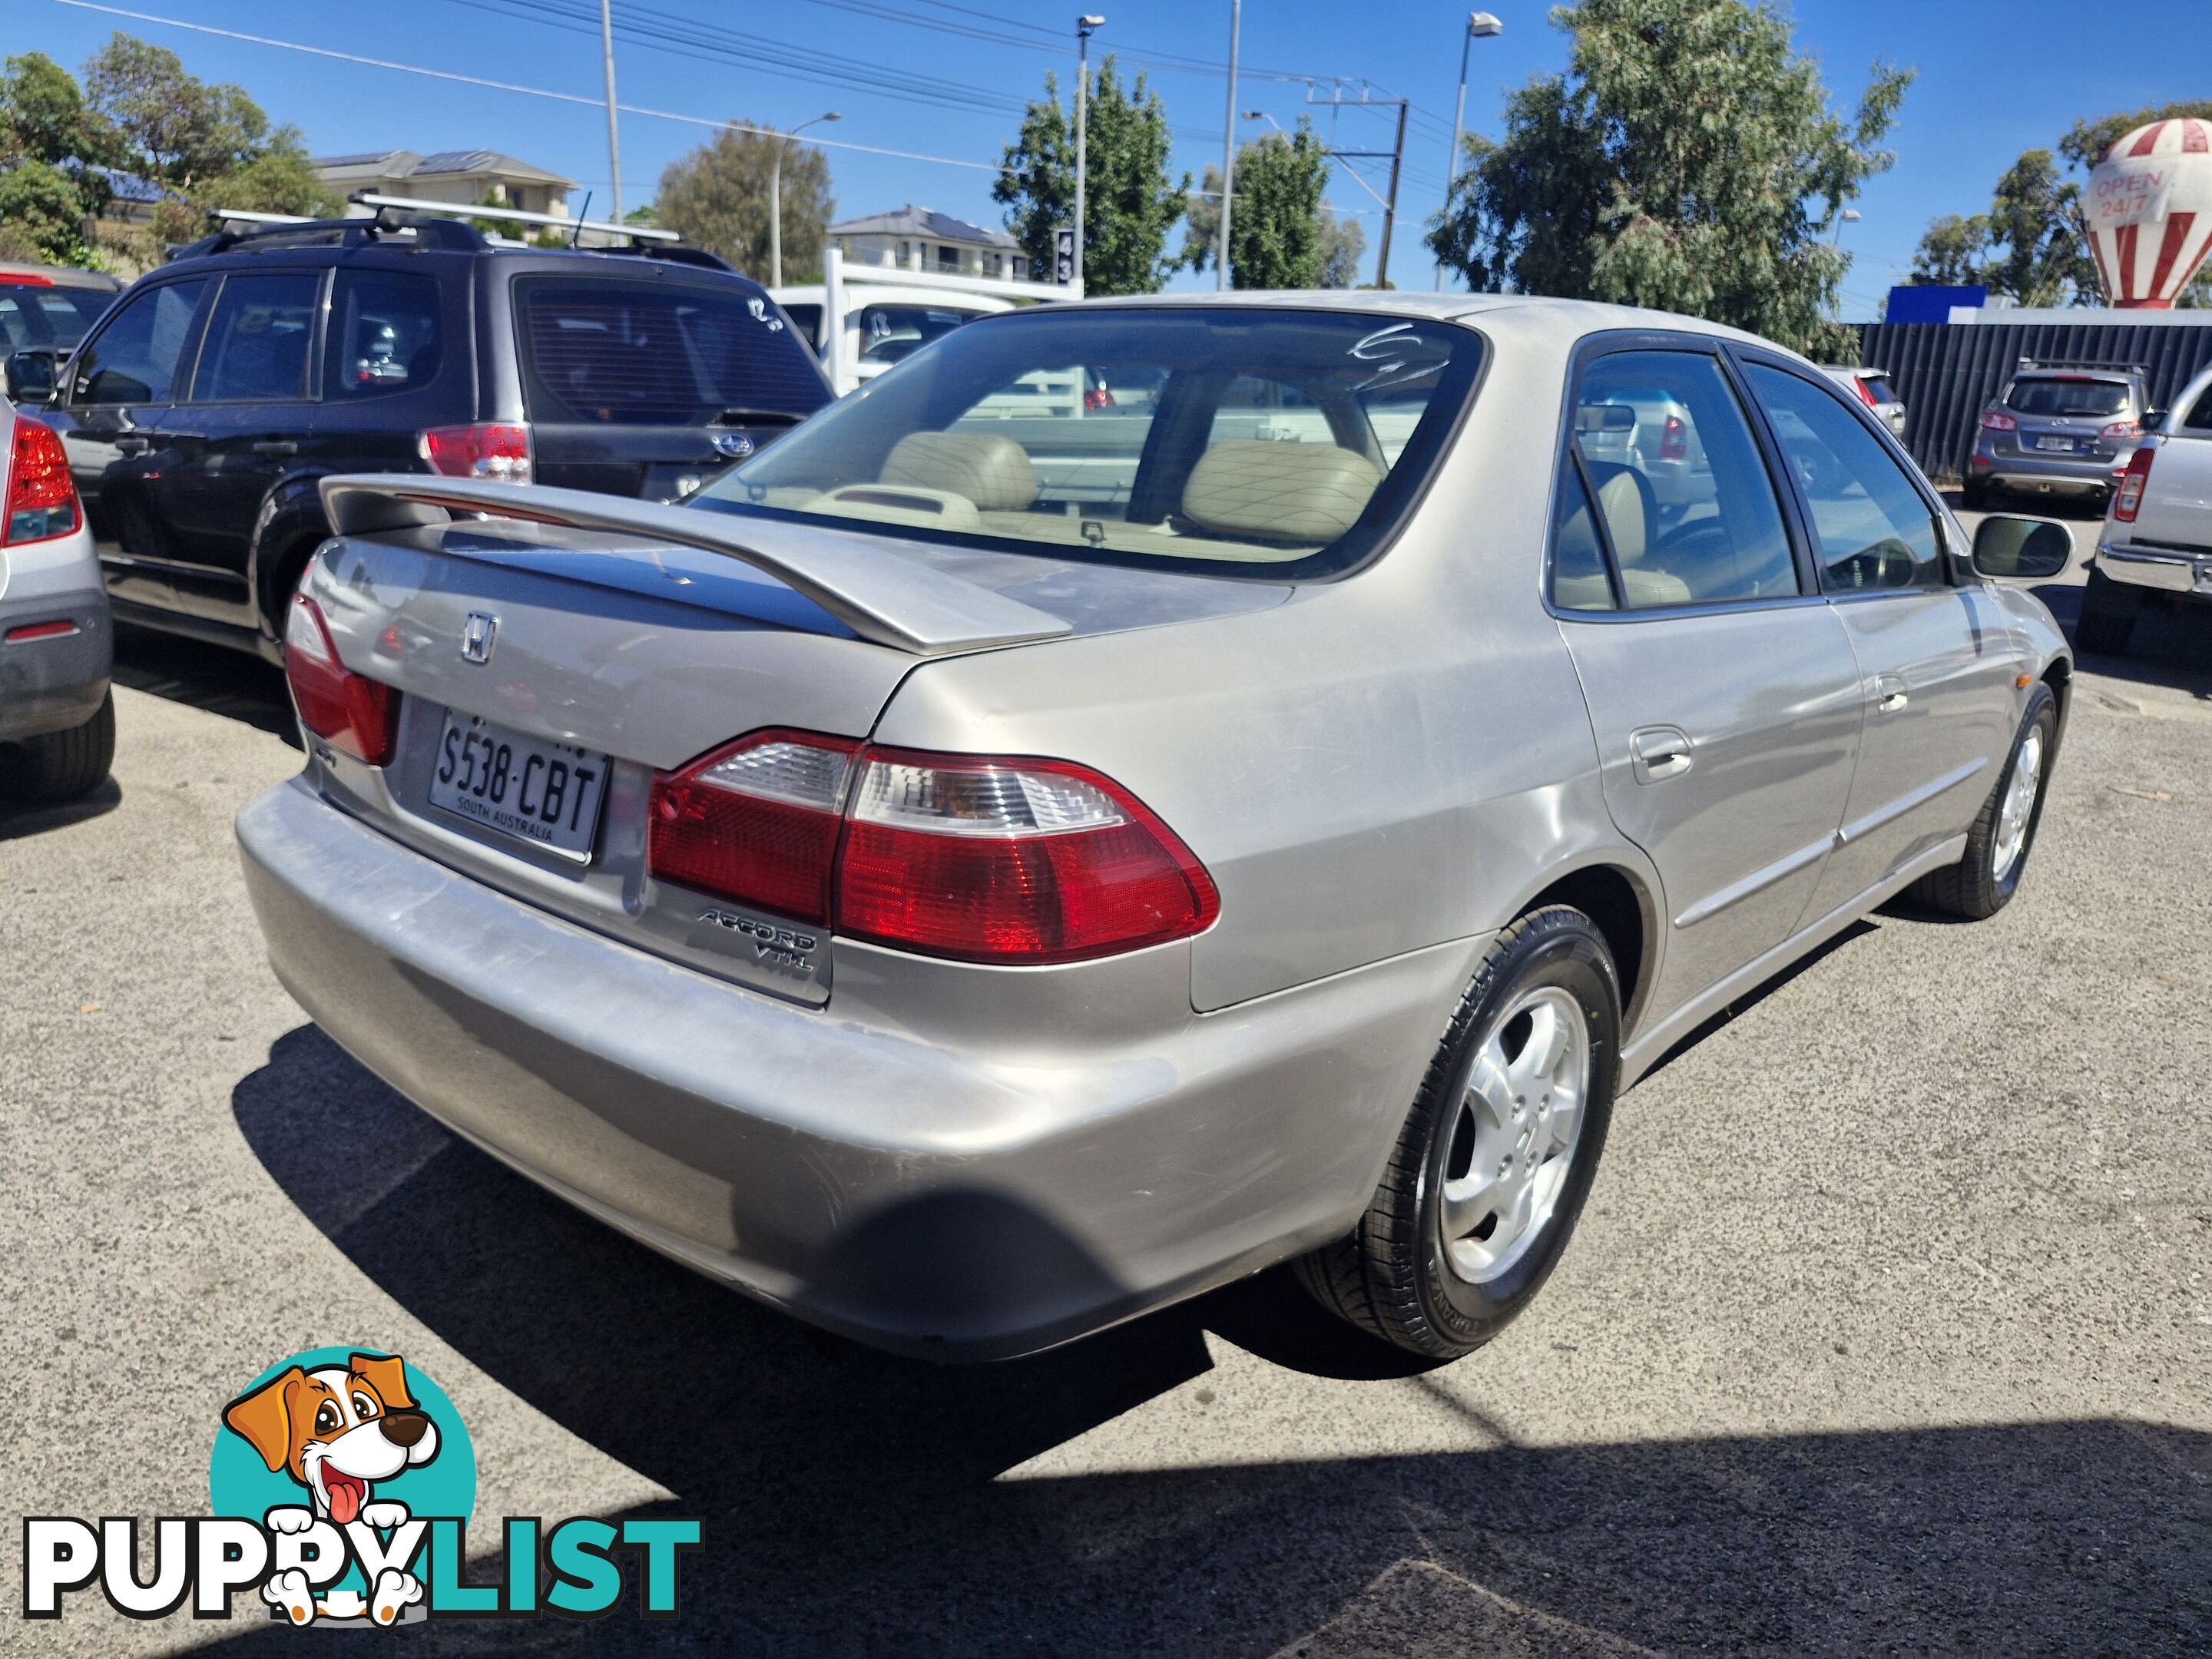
656	353
2062	396
807	320
259	338
385	335
135	358
47	319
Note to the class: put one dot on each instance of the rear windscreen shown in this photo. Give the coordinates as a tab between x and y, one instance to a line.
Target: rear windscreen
39	318
1880	389
2074	397
656	353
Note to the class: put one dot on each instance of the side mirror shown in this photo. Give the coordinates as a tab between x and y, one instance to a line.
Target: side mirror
2006	544
30	376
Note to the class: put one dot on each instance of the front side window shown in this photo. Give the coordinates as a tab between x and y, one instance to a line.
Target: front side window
385	335
1873	528
1189	436
1662	450
258	338
2064	396
135	358
614	352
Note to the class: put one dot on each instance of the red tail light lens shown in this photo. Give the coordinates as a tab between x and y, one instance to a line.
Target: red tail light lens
2120	430
757	822
976	858
1998	421
1674	440
1098	397
41	496
2129	500
500	452
348	711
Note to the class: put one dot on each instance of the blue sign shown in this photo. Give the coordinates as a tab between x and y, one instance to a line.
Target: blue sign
1926	302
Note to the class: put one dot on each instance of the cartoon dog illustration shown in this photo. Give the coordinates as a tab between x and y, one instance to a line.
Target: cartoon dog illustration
338	1430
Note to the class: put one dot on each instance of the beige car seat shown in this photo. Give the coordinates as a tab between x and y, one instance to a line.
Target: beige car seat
1280	492
1631	514
991	471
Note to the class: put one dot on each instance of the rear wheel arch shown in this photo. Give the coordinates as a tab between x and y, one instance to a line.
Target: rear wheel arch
1623	908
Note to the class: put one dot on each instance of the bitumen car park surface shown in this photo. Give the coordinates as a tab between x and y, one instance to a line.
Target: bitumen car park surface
1888	1329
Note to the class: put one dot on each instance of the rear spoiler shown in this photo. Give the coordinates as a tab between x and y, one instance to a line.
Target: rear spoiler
881	595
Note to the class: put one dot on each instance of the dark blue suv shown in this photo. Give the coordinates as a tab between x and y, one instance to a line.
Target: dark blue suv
201	412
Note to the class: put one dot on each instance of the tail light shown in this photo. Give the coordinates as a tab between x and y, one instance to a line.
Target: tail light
2129	501
1997	421
487	450
1674	440
348	711
1098	397
1866	392
2120	430
971	857
41	496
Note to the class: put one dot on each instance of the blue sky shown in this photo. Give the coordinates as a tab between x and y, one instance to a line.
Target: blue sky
1995	79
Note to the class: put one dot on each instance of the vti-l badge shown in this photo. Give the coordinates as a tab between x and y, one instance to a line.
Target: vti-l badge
478	634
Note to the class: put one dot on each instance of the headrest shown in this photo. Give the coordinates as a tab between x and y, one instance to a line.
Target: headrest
1624	497
1280	492
990	471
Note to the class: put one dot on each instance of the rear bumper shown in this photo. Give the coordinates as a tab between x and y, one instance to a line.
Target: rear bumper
2169	571
2075	473
974	1199
57	682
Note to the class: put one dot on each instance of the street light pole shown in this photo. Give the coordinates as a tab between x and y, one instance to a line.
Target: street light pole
1084	25
776	197
614	134
1228	147
1481	23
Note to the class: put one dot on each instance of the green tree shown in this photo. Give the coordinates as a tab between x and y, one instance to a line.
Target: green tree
1130	203
1954	251
2088	141
1344	244
1276	238
42	215
43	118
1688	159
718	198
170	127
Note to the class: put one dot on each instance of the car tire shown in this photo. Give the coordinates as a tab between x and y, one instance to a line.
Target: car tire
60	766
1983	882
1407	1274
2108	615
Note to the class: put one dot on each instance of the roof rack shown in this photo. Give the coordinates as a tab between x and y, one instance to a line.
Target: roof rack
289	230
638	234
2110	365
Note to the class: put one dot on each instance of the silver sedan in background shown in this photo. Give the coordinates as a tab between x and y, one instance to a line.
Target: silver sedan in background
968	900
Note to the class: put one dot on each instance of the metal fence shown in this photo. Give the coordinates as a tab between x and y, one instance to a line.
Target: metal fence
1947	373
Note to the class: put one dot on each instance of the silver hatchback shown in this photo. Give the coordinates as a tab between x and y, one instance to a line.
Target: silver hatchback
975	876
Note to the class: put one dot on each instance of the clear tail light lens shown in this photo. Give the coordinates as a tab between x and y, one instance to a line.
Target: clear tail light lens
2128	500
976	858
41	496
1998	421
757	822
1674	440
487	450
2123	429
348	711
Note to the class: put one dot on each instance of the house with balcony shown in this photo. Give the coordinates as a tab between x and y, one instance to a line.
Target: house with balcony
464	177
921	239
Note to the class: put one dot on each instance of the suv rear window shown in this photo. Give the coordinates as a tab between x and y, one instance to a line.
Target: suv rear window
656	353
41	317
2065	395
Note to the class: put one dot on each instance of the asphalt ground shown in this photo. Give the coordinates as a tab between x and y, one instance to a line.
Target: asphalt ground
1888	1330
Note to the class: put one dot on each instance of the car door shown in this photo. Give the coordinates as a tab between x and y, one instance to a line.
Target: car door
243	425
1937	660
1722	691
113	402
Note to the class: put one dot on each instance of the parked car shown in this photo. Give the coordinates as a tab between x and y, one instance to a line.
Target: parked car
45	311
2158	531
967	914
2059	431
202	411
1871	386
56	717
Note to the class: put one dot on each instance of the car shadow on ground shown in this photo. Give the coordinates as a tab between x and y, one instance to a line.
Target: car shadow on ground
19	821
233	683
852	1502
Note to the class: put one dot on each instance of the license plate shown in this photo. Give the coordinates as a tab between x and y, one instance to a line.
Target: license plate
2065	444
521	786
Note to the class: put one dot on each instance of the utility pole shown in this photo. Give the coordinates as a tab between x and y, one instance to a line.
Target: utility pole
1228	147
1390	208
614	132
1082	26
1397	154
1478	23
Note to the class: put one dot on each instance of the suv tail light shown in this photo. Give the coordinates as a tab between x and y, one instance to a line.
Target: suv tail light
1998	421
2122	430
41	496
972	857
1674	440
488	450
2129	501
1865	391
347	710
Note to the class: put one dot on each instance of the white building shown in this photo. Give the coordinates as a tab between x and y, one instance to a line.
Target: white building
464	177
921	239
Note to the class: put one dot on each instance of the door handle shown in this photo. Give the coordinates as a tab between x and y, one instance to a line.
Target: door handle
276	447
132	444
1889	693
1659	752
